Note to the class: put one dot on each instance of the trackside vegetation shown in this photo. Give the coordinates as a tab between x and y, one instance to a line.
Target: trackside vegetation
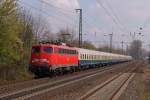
11	43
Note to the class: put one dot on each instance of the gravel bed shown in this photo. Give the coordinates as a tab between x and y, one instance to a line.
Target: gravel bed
74	91
106	92
25	84
135	87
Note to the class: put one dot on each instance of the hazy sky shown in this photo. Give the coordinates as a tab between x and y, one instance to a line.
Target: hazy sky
99	17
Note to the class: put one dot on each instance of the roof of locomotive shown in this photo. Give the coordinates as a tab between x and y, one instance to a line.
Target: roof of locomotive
55	45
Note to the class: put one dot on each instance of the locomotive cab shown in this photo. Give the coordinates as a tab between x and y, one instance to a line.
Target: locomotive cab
40	59
40	54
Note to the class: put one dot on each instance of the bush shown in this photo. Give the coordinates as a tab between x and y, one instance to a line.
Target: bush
13	72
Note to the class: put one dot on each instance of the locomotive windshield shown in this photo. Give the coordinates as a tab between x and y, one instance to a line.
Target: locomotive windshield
48	50
35	49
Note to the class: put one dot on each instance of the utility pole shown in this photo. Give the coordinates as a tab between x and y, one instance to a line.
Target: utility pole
127	50
149	54
149	48
80	27
122	46
110	48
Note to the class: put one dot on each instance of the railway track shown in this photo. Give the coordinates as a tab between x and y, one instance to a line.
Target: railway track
39	89
110	89
30	92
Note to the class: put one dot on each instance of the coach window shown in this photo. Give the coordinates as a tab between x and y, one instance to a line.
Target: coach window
74	51
63	51
83	56
69	51
60	50
48	49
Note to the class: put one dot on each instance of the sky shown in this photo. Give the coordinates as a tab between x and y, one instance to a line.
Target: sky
123	18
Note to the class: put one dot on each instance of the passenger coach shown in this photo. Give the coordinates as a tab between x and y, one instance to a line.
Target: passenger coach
91	57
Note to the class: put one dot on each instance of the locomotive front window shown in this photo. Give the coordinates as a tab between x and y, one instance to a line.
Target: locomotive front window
48	50
35	49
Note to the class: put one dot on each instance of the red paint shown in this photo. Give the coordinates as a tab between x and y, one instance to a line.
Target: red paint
54	57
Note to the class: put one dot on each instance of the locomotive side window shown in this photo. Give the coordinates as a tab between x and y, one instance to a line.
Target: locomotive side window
35	49
48	50
55	50
66	51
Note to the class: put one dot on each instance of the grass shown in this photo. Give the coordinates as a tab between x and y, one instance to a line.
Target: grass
13	73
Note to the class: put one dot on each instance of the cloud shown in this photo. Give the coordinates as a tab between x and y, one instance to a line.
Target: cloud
64	4
62	13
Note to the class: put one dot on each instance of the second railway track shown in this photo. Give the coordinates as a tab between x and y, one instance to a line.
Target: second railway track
110	89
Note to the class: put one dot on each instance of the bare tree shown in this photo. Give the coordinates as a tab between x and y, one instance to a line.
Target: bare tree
48	36
88	45
107	49
39	27
33	28
66	35
136	49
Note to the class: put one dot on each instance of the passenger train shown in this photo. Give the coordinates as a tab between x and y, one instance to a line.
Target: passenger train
47	58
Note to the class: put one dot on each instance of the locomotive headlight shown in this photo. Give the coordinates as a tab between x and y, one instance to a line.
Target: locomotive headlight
35	60
40	60
44	60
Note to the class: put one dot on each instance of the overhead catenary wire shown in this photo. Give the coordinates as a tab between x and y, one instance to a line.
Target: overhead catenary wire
61	9
116	16
48	14
58	11
56	18
110	15
67	11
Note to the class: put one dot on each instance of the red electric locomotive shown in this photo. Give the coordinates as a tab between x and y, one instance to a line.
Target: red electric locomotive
47	58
